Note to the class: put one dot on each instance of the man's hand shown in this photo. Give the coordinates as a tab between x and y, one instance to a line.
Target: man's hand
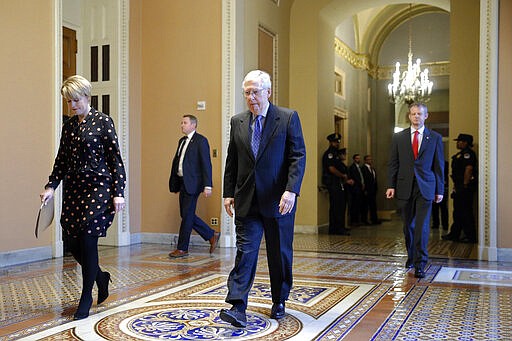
229	203
207	192
438	198
390	193
287	202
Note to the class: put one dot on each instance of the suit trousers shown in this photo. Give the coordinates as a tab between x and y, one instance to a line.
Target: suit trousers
416	219
463	216
189	220
337	209
279	245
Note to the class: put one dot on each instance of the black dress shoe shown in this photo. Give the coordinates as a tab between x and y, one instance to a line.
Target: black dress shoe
103	287
277	311
468	240
343	232
233	316
449	237
409	264
419	273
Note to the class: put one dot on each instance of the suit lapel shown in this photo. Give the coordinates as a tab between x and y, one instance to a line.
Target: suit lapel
244	131
424	142
271	125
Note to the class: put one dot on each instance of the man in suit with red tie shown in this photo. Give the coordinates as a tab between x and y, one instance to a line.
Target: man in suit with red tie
416	180
264	171
191	174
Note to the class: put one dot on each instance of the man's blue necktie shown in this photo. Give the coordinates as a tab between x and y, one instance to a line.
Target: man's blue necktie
256	135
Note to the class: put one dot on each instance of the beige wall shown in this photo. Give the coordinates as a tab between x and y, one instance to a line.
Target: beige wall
304	64
181	64
504	236
464	56
27	129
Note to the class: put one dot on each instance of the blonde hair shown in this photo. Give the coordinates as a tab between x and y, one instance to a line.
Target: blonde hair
75	87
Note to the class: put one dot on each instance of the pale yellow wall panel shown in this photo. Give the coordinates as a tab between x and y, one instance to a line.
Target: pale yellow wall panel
504	216
28	127
181	64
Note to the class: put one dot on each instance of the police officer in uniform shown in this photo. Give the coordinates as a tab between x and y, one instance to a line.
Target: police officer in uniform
334	177
464	176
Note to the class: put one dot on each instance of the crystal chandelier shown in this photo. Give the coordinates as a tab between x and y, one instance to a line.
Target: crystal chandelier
412	85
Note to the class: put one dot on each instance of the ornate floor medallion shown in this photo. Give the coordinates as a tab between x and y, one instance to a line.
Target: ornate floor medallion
189	321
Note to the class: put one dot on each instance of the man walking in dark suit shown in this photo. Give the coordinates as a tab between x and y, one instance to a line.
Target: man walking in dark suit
191	174
416	179
264	171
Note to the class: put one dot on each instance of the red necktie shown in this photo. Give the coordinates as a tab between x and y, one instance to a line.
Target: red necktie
415	144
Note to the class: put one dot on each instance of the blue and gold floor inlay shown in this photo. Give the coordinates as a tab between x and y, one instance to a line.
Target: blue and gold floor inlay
345	288
474	276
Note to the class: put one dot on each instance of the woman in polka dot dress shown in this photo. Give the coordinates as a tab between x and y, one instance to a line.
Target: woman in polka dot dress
90	165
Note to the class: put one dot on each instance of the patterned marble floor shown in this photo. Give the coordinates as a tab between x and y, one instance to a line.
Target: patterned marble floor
350	288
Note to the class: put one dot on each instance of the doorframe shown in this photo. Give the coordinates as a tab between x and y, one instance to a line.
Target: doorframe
120	227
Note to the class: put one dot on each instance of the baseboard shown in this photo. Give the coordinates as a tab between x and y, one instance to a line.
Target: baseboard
169	239
306	229
17	257
505	255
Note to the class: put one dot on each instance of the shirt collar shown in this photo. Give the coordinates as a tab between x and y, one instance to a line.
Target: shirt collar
263	113
421	130
191	134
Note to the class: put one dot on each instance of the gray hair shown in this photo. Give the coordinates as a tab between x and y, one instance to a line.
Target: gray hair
258	76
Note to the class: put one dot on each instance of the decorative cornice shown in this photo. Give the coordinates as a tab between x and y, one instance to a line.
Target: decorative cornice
357	60
434	69
362	62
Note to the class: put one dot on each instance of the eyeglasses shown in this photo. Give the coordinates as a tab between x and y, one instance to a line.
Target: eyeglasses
255	92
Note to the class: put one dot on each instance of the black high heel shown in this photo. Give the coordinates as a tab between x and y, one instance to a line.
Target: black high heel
103	287
83	308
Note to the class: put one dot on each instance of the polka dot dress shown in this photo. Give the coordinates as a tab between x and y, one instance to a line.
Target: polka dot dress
89	164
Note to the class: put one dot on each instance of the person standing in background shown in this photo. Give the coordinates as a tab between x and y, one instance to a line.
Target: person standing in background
191	174
356	215
370	193
90	163
415	178
265	166
334	177
464	176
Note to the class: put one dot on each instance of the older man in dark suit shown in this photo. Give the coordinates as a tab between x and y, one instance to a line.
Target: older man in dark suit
416	179
191	174
264	170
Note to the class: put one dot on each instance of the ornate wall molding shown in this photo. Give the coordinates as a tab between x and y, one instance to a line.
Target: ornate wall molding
434	69
228	101
58	245
488	133
357	60
362	62
123	115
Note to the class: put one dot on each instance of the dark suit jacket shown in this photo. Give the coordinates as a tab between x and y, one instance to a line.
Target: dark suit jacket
427	168
197	166
370	182
353	174
279	165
